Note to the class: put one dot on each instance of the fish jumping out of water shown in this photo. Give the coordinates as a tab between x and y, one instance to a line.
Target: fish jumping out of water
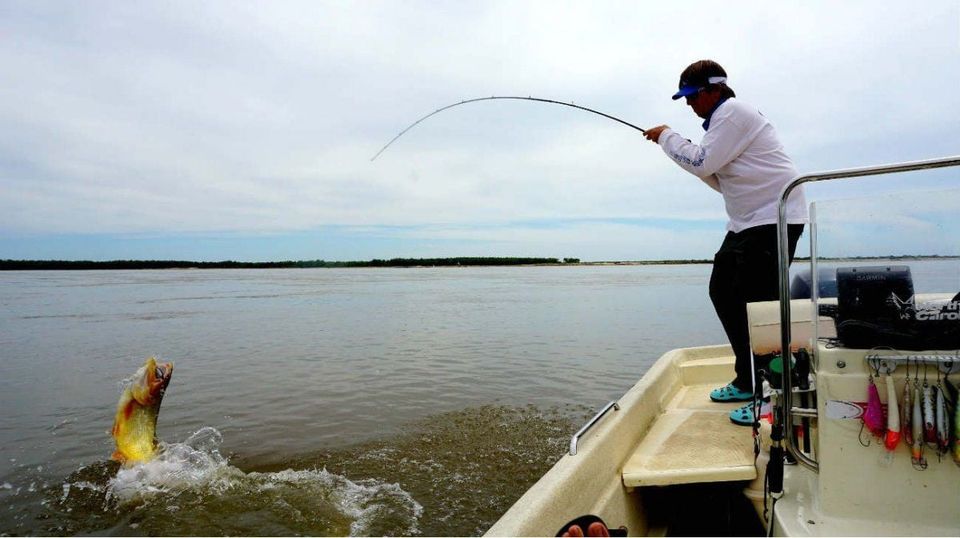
135	424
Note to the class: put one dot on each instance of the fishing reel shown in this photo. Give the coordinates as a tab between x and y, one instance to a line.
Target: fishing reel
770	369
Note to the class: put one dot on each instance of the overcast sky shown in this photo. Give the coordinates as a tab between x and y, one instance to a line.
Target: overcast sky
229	130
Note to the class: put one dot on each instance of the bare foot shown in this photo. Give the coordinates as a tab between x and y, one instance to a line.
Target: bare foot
595	529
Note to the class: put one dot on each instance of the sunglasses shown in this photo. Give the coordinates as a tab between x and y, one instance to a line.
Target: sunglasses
694	95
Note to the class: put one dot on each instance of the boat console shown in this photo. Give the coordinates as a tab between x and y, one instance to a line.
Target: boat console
894	340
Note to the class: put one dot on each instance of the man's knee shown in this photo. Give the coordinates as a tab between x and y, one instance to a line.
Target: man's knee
722	280
721	292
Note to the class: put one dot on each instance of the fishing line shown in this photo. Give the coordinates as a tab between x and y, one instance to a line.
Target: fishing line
516	98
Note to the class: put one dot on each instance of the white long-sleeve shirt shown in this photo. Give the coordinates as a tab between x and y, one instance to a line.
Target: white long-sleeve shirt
740	156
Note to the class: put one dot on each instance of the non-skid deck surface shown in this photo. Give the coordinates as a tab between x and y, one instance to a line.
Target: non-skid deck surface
692	441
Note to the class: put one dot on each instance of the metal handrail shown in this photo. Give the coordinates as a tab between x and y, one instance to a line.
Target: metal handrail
784	267
588	425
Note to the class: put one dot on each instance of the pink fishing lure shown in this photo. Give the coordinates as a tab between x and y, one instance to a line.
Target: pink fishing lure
873	416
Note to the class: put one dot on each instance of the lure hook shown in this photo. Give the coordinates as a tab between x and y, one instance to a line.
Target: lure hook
860	436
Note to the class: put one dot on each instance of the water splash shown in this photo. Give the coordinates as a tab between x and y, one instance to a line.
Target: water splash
466	467
451	474
128	381
192	480
195	462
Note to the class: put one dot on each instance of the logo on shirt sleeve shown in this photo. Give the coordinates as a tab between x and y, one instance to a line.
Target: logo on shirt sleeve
698	161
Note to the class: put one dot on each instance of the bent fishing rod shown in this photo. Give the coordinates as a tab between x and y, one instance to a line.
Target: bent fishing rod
517	98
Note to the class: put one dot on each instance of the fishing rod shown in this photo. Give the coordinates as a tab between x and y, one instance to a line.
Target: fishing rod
517	98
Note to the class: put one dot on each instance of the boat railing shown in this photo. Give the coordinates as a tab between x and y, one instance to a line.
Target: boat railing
596	418
790	412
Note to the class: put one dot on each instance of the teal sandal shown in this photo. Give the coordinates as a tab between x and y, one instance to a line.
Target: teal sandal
742	416
730	393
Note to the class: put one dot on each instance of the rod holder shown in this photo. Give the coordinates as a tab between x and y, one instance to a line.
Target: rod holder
887	364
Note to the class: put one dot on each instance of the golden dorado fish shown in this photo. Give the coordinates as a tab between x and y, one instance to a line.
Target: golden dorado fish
135	424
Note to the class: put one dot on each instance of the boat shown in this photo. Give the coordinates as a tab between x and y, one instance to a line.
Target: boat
664	460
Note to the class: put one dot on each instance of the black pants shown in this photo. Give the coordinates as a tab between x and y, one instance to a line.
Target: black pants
745	271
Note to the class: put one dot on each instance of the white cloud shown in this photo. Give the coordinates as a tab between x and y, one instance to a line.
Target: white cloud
918	222
221	116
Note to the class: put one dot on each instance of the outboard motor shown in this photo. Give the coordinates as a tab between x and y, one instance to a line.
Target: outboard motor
802	283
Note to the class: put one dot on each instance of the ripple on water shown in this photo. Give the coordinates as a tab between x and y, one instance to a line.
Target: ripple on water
453	473
191	489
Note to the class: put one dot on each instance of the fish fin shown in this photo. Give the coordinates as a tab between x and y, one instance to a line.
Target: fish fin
128	410
118	456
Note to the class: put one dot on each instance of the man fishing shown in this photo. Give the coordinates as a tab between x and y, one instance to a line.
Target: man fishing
741	157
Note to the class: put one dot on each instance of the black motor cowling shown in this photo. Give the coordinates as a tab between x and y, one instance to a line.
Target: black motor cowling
802	283
876	307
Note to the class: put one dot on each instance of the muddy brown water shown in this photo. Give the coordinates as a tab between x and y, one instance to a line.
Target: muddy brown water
319	401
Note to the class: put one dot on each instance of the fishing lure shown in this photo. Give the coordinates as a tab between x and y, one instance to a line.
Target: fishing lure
943	431
892	438
873	416
916	449
956	424
929	418
906	412
518	98
953	418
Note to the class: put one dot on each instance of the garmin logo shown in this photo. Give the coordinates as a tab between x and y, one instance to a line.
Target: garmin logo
869	277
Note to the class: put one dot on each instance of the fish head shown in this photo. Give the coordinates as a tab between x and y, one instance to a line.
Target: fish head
150	382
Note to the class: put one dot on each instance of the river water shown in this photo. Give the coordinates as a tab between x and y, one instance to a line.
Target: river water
320	401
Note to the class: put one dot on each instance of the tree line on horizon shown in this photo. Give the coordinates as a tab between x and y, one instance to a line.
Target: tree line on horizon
34	265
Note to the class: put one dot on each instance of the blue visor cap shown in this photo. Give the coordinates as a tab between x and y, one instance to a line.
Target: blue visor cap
686	91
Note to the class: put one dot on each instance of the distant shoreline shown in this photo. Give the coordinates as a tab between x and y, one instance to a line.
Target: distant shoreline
82	265
916	257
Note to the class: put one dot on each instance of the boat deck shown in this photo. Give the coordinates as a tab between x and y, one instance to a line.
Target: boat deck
666	432
675	451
